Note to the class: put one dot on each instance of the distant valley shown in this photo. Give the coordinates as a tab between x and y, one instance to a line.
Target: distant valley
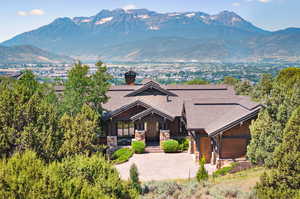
27	54
143	35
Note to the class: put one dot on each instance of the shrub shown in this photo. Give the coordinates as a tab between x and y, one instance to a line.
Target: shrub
225	170
138	146
183	144
202	173
24	175
170	146
134	178
122	155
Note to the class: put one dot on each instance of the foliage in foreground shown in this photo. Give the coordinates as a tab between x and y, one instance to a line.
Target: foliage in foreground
24	175
122	155
134	178
202	174
238	185
284	180
224	170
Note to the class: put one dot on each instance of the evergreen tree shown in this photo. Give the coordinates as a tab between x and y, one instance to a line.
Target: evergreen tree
28	120
82	88
80	132
267	130
284	180
202	173
134	178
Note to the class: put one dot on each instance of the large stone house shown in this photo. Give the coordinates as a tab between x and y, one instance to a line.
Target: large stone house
212	117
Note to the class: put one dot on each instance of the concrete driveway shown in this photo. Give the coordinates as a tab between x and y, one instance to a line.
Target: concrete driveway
161	166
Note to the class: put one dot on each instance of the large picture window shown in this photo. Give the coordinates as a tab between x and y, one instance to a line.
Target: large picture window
125	129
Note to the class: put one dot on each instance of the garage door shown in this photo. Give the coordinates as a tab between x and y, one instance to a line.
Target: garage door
233	147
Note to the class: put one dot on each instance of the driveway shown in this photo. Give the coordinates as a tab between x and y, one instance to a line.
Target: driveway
162	166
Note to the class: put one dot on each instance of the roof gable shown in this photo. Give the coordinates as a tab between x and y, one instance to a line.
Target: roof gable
150	88
151	111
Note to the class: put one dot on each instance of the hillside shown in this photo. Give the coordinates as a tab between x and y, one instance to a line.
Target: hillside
140	34
29	54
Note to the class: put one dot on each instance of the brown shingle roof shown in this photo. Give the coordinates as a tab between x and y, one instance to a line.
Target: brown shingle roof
215	114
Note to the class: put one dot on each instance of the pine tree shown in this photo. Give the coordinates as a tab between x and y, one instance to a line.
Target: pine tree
79	132
267	130
284	180
134	178
202	173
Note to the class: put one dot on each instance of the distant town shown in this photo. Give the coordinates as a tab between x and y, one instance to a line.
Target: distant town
163	72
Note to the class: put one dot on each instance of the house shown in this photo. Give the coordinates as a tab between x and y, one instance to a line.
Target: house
212	117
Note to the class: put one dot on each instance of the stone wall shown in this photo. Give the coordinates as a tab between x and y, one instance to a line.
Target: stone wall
163	136
140	135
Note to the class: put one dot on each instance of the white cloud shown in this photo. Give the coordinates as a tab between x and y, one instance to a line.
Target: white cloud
31	12
22	13
236	4
264	1
37	12
129	7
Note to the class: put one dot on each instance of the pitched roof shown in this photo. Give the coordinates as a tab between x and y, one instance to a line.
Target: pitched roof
150	85
218	114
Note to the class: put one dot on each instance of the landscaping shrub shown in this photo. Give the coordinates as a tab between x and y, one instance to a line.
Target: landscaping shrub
134	178
183	144
170	146
202	173
225	170
138	146
122	155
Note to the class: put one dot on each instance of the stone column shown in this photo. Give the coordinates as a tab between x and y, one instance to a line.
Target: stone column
191	146
163	136
140	135
112	141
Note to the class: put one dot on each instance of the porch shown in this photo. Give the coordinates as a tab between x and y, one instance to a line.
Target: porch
141	122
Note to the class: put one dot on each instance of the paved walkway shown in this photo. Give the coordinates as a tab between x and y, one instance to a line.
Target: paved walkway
162	166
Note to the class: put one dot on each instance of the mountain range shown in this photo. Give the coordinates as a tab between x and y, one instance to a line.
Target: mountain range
143	35
27	54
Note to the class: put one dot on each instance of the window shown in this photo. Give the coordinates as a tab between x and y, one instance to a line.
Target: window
140	126
163	126
125	129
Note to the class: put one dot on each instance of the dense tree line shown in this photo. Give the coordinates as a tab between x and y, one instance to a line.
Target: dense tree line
276	132
33	117
48	142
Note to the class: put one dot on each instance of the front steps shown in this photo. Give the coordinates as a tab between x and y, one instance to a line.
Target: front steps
153	149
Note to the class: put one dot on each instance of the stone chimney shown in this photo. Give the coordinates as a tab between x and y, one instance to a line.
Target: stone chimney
130	77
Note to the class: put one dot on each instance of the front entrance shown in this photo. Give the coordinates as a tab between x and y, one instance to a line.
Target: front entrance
152	132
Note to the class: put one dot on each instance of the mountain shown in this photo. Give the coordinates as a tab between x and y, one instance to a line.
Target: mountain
29	54
141	34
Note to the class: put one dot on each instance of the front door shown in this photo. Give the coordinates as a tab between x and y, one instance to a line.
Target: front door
152	133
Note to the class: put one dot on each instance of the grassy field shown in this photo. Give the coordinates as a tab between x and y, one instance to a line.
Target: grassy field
237	185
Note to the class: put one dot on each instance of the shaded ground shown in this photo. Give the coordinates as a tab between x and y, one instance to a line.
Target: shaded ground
162	166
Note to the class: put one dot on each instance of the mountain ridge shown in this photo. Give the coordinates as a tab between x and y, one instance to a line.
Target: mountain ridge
131	31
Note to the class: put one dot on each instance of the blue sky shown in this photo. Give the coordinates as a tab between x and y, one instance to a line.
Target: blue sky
18	16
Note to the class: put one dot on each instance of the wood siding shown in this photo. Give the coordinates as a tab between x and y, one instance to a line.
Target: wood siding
234	141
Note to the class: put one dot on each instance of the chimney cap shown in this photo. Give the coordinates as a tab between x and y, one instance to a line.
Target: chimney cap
130	73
